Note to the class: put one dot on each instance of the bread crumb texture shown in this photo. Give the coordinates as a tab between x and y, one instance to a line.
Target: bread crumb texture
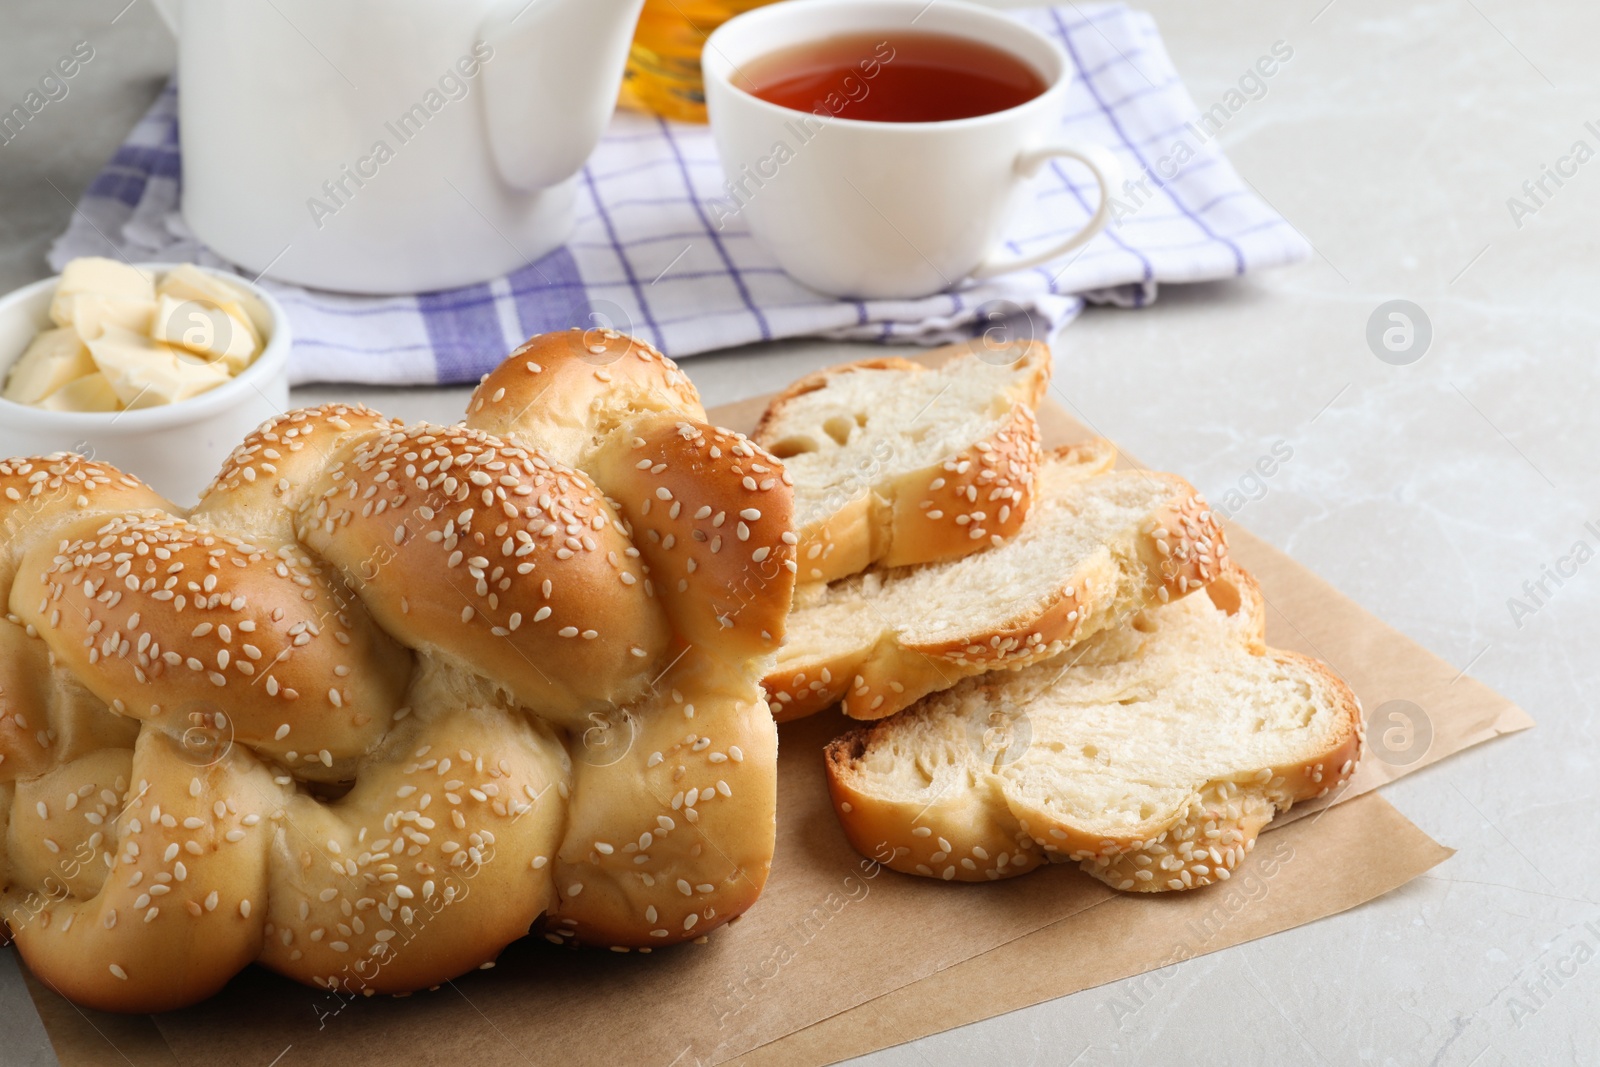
1151	754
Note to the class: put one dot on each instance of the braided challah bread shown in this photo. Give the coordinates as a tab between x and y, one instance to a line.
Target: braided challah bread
389	695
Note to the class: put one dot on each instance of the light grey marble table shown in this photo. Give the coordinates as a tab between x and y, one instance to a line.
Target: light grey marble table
1430	492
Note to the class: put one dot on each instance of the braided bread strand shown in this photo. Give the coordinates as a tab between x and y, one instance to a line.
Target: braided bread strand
449	682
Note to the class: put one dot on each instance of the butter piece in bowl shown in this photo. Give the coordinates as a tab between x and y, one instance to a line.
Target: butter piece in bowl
92	392
145	373
54	358
210	330
105	280
157	337
166	413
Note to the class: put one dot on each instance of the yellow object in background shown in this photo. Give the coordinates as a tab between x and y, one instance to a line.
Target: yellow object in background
664	63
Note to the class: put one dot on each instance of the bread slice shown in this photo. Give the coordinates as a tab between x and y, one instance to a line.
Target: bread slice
1152	755
1098	545
895	463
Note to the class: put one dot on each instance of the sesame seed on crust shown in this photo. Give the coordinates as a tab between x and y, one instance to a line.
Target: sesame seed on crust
330	700
681	486
151	611
481	535
865	508
880	670
995	812
558	394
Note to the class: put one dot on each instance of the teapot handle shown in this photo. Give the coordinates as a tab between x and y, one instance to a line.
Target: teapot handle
169	12
550	83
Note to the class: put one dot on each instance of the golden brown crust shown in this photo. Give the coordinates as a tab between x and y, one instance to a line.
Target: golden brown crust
26	690
1180	549
1184	545
132	944
977	834
334	720
496	557
673	837
975	842
977	499
38	493
445	844
974	499
563	393
46	716
712	515
162	620
265	481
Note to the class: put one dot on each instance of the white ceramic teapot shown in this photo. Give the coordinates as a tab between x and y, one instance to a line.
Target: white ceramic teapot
387	146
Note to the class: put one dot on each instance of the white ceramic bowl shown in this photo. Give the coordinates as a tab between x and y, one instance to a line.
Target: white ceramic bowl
175	448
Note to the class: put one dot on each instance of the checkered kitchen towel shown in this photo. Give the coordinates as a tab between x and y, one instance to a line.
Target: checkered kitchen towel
644	244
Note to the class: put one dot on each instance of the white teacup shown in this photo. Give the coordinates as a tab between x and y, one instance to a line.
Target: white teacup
876	210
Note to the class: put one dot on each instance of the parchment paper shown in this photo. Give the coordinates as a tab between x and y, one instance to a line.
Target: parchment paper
839	956
1309	870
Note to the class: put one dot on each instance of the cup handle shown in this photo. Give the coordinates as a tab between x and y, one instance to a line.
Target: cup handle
1107	173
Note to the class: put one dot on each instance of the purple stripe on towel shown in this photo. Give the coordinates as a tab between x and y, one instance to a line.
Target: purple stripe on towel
1122	134
549	294
622	258
465	337
711	232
